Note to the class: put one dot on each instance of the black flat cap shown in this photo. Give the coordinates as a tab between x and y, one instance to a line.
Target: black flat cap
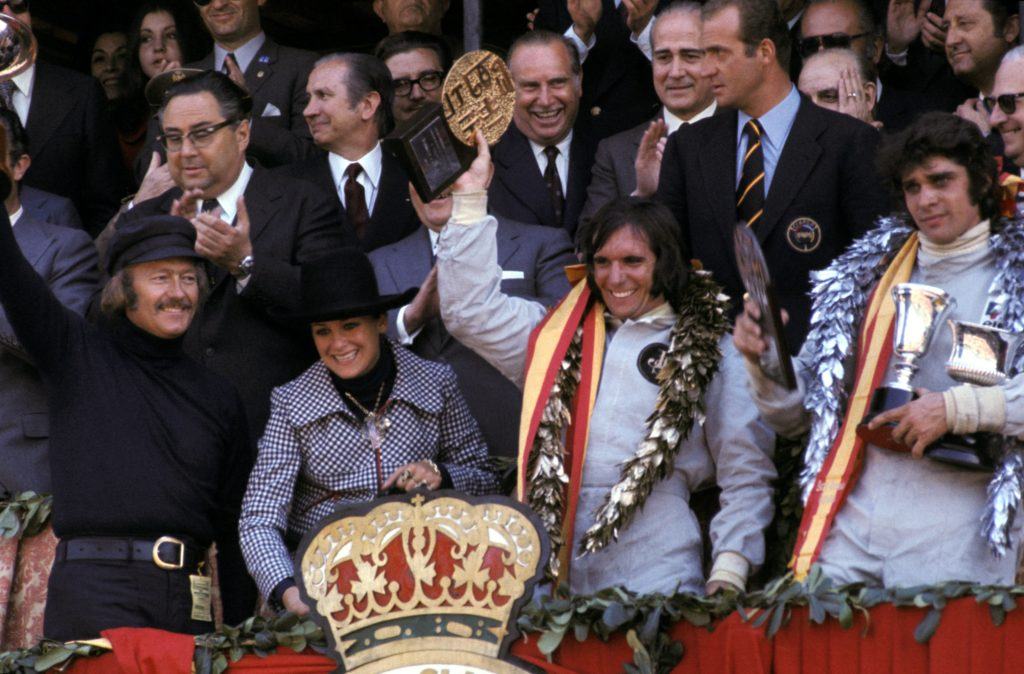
155	237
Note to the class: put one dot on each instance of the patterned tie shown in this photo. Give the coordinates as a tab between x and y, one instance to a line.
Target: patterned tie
355	200
224	67
554	182
750	193
7	90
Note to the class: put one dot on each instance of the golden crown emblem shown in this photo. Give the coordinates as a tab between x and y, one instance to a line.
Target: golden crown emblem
416	579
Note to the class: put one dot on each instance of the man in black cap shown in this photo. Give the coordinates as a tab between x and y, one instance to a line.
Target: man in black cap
150	451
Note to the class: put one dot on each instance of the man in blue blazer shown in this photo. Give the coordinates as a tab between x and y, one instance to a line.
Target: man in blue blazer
532	259
66	259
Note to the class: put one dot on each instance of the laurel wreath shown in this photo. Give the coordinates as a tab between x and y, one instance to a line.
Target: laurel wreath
691	363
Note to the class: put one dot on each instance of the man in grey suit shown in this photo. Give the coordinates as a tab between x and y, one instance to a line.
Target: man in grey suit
685	97
532	258
66	259
274	75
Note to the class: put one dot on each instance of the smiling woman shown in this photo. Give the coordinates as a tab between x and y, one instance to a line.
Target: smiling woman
367	418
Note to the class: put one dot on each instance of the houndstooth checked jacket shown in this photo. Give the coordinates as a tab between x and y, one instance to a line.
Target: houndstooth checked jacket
313	446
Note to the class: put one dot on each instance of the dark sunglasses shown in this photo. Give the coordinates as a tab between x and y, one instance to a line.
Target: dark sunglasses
1007	102
17	6
810	45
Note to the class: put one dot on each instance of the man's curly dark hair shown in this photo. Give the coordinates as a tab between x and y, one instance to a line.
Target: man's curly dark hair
940	134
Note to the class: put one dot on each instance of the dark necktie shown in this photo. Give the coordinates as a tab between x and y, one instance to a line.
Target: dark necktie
554	183
355	201
209	205
750	193
224	67
7	90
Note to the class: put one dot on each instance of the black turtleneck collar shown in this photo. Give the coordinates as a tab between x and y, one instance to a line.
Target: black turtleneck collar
137	341
366	388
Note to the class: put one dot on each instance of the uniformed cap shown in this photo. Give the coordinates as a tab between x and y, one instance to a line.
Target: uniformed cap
155	237
158	86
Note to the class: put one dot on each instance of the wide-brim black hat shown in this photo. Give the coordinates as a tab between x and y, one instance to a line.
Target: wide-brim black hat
341	285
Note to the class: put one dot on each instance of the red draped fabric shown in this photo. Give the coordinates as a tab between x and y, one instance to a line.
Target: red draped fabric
966	641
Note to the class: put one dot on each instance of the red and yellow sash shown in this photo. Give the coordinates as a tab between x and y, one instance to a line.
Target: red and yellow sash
846	455
548	344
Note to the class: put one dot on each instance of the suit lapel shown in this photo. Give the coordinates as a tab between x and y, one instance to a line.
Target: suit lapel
521	176
799	155
412	263
508	244
261	200
717	160
581	157
48	107
33	243
261	68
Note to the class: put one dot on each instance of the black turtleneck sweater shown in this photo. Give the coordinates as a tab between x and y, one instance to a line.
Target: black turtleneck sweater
144	442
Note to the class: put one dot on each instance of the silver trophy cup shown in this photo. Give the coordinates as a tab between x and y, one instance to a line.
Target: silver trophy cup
920	309
982	355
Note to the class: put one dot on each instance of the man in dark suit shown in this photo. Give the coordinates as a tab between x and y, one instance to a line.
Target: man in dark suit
610	36
274	75
253	227
802	177
532	259
541	165
349	111
685	96
72	143
418	63
66	259
828	24
51	208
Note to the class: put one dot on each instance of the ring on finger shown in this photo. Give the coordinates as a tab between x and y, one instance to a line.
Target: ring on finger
852	94
405	475
421	483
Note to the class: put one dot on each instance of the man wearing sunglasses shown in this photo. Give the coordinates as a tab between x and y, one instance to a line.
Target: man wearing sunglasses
418	63
848	24
274	75
254	228
71	141
1007	116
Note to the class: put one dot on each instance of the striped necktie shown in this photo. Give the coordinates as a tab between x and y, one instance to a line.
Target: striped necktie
750	193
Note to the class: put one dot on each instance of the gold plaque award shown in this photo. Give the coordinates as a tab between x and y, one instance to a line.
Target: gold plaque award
438	144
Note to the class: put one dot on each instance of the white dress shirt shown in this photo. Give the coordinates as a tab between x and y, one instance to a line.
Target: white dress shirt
17	215
674	122
369	177
244	54
21	97
561	161
228	199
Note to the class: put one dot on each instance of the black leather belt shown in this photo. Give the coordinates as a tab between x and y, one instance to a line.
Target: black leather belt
165	552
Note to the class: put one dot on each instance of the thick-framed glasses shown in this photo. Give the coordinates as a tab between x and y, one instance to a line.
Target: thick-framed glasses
427	81
17	6
199	138
809	45
1007	102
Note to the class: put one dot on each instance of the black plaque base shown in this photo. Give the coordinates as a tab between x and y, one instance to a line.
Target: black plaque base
971	451
430	153
884	398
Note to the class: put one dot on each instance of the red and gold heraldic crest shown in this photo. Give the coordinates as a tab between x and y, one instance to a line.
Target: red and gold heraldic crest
423	583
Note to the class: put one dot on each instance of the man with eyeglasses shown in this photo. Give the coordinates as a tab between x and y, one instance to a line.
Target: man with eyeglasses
274	75
254	229
71	141
849	24
418	63
800	176
349	111
1007	116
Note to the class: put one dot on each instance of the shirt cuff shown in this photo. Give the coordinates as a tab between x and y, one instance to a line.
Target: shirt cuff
970	409
730	567
899	59
468	208
404	338
277	594
581	47
241	283
643	40
762	385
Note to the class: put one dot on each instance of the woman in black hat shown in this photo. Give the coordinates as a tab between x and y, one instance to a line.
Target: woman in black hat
368	417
